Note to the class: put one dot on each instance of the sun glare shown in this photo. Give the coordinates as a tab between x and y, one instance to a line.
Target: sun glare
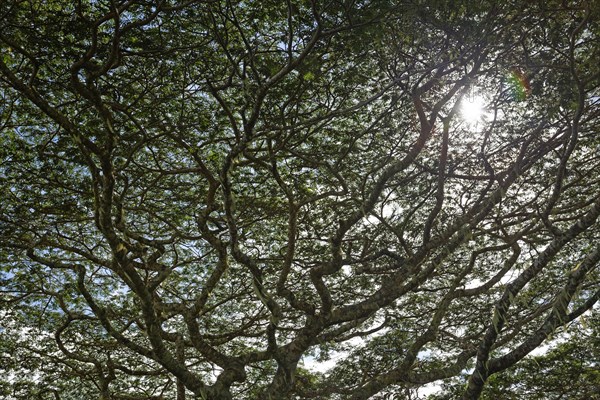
472	109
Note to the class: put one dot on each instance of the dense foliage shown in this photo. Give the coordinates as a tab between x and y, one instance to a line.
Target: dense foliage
569	369
211	199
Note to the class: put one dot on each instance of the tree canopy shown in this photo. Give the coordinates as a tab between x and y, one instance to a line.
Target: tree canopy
214	199
567	370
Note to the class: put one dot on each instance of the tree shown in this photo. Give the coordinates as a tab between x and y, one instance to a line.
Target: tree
568	370
206	198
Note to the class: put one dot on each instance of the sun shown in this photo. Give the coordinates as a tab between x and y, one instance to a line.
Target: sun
472	109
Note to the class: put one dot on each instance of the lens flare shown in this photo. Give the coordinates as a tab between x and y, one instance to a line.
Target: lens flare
518	84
